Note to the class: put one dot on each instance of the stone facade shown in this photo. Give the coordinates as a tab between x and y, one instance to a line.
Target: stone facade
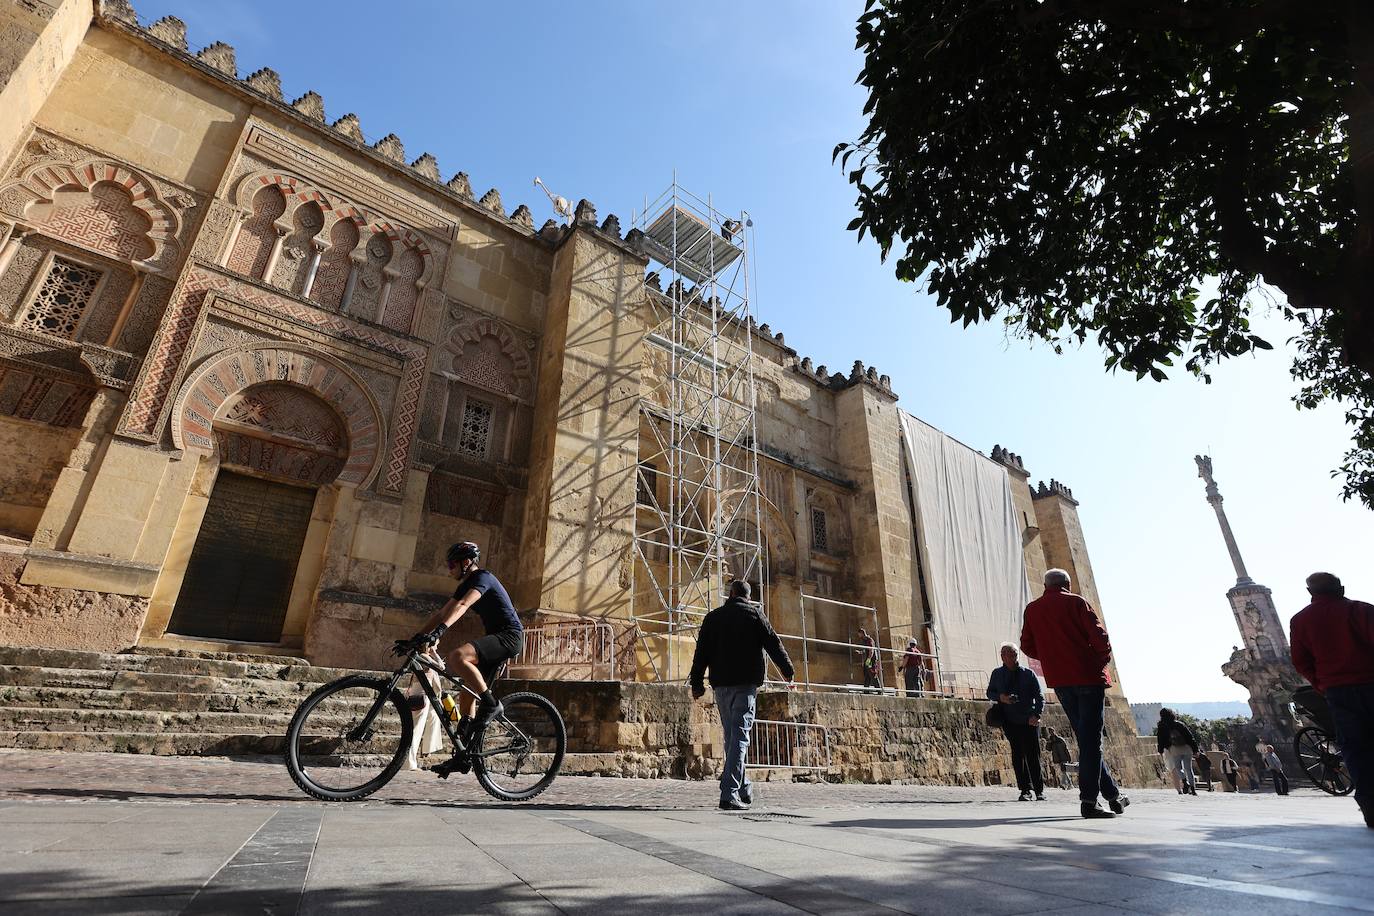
203	285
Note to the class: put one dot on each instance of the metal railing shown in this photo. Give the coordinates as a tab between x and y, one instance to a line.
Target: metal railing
776	745
965	684
570	645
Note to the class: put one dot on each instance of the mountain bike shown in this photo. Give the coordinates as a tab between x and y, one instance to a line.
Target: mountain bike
351	736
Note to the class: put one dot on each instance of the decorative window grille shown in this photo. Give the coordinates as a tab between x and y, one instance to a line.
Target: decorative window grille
646	483
820	535
66	292
475	436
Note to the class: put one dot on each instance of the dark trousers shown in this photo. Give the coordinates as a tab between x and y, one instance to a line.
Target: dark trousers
1280	781
1025	756
1083	706
870	679
1353	709
1231	778
912	678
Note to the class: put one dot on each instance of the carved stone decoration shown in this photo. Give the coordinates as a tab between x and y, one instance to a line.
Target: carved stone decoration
283	430
392	148
267	81
611	225
427	166
119	10
44	145
485	353
461	186
217	389
311	105
171	30
349	127
103	206
585	212
220	56
523	216
550	231
492	201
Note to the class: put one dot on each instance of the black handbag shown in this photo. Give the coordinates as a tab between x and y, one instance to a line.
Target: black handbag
994	717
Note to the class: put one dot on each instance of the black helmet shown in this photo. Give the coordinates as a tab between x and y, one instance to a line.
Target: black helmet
463	550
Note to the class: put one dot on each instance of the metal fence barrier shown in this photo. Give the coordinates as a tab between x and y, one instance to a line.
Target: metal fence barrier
570	645
775	745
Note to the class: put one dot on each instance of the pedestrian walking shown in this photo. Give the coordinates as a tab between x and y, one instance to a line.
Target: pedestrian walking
913	669
1274	765
1061	630
1229	770
1177	746
1333	647
1059	757
869	656
730	645
1203	765
1017	692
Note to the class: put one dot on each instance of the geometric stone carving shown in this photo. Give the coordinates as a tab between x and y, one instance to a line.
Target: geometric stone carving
280	429
219	56
611	225
62	299
523	216
207	393
257	236
311	105
585	212
171	30
266	81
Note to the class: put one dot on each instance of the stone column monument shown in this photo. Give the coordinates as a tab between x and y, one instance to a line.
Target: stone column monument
1261	664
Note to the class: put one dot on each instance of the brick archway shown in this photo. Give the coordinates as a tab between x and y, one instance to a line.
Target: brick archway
225	375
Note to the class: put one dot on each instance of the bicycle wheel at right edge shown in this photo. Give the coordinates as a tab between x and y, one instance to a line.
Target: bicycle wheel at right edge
329	758
519	752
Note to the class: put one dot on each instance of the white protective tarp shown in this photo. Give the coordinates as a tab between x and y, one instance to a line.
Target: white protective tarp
969	533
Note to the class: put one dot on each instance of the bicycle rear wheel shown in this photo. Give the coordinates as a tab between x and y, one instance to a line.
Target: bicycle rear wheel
334	752
519	752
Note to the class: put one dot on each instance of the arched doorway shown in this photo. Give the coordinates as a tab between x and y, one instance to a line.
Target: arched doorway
277	444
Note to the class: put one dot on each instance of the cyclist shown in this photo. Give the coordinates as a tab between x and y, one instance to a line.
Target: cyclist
478	661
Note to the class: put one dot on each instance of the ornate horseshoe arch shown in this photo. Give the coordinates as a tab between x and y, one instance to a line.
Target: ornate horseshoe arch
225	374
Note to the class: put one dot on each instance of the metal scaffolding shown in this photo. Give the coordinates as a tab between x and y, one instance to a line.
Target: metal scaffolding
699	513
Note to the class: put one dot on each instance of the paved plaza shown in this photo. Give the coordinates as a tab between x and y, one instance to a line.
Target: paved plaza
119	834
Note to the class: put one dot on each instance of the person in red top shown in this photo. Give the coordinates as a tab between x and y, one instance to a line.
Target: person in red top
1333	647
1061	631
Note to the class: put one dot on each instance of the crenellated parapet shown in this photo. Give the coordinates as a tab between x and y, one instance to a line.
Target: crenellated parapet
1055	488
265	83
1009	459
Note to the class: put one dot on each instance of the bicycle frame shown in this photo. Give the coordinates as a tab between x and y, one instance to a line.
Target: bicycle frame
417	664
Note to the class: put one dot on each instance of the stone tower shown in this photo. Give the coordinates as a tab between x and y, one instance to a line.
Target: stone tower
1261	664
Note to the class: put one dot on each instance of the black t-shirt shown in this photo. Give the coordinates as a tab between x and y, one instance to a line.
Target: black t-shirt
494	607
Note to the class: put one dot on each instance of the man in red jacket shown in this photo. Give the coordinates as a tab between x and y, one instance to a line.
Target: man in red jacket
1062	632
1333	647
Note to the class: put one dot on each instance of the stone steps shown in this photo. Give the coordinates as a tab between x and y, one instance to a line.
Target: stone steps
152	701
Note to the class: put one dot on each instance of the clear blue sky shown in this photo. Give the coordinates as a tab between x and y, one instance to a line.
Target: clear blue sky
746	100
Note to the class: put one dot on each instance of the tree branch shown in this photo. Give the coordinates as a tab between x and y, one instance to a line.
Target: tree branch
1202	19
1245	246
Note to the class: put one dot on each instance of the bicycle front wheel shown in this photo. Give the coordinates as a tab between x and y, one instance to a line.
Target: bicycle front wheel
348	739
519	752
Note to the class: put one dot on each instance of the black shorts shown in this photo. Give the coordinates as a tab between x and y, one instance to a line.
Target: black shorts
496	648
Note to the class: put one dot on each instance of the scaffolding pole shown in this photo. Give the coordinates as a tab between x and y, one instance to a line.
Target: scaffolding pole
698	515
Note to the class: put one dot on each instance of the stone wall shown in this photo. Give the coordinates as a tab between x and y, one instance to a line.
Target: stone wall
64	617
654	730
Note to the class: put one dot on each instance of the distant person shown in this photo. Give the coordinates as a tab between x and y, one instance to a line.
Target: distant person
1203	764
1062	632
1059	757
870	661
1274	765
1229	770
913	669
1177	746
1252	776
1333	647
730	645
1017	691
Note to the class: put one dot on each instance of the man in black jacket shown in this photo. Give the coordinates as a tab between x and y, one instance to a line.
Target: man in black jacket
731	644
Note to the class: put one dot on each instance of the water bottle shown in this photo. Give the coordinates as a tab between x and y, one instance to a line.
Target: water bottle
450	707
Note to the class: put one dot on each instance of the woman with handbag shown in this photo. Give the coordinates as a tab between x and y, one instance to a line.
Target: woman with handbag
1019	703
